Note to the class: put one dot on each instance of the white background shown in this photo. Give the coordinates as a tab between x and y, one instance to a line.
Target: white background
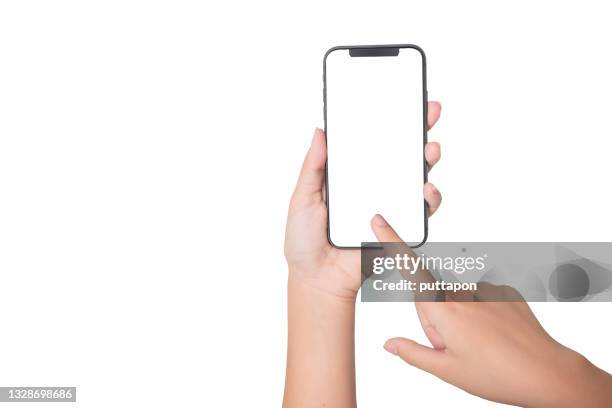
147	154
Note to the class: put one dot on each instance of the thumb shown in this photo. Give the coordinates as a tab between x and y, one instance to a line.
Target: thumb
312	175
425	358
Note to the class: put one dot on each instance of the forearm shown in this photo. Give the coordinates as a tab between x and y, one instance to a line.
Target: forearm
321	350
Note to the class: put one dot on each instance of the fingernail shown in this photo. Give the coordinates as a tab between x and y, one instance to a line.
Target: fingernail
435	190
314	137
391	348
380	221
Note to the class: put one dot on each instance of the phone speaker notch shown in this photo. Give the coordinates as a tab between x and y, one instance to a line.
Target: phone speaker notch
374	52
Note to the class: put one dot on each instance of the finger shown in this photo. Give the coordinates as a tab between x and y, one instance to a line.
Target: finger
312	175
434	337
432	154
383	231
417	355
433	113
386	234
433	197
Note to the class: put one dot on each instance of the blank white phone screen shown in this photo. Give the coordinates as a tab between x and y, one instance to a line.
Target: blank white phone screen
375	127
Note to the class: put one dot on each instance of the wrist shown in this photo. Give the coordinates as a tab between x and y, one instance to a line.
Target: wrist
316	296
323	286
320	352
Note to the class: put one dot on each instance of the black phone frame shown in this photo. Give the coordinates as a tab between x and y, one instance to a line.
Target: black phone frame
378	51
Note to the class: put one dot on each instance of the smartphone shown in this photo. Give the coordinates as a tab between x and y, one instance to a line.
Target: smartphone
375	112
